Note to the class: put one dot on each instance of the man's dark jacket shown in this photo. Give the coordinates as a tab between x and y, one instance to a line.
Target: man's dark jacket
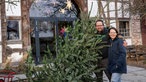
103	36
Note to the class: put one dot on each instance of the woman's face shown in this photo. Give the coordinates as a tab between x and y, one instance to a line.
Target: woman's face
112	34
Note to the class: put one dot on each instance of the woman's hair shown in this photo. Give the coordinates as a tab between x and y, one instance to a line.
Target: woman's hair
121	36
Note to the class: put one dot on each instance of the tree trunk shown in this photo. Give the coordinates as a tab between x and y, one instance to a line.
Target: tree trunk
25	5
103	13
3	30
82	5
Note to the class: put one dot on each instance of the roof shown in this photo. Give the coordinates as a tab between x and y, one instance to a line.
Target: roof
52	8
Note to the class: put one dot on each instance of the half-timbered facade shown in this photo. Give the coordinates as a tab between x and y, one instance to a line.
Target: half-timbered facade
20	27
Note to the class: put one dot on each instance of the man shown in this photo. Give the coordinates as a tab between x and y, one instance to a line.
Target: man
102	32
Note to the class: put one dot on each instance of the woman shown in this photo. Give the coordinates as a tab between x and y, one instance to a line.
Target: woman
116	56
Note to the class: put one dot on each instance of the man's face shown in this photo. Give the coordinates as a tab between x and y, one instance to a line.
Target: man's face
99	26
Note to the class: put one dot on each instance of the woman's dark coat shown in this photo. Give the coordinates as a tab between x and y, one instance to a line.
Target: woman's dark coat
117	57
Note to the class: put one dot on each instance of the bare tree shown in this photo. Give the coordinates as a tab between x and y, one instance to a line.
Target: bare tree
137	7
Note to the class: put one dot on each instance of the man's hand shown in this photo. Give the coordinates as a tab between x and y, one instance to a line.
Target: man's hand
124	43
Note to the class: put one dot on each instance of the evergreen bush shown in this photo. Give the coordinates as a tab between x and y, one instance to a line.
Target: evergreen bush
76	59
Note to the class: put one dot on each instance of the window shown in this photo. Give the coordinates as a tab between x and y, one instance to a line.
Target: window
13	30
124	28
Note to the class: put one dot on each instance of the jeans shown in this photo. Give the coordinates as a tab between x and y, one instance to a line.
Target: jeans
116	77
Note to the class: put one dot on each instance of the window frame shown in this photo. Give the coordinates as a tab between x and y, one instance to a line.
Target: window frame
125	31
19	29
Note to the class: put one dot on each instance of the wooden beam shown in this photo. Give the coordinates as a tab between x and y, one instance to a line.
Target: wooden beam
99	9
122	9
25	5
116	14
108	14
4	30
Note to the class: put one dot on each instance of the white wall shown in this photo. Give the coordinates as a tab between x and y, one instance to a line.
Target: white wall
112	9
13	10
119	7
94	7
16	56
126	13
113	23
94	11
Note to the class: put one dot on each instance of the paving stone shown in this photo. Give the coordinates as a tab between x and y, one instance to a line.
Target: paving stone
134	74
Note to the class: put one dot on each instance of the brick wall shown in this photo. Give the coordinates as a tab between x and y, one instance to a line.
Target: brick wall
135	31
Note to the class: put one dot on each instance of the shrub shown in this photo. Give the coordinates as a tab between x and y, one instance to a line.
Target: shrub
76	59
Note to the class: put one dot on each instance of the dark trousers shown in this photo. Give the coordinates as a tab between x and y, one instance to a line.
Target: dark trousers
102	65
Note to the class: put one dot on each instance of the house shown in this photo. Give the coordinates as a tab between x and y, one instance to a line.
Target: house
30	23
13	29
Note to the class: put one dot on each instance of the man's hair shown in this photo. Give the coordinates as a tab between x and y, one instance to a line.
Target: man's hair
99	21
